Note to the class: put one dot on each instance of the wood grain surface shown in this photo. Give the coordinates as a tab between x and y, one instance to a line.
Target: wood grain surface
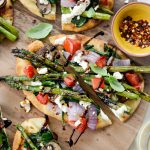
119	136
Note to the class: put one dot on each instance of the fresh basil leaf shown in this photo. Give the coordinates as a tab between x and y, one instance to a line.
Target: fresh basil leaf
115	84
39	31
79	22
89	13
65	10
53	1
98	70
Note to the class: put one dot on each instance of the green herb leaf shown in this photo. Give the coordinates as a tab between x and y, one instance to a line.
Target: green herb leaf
98	70
39	31
79	22
115	84
65	10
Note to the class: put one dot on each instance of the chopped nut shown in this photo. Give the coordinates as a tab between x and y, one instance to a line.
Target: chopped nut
26	105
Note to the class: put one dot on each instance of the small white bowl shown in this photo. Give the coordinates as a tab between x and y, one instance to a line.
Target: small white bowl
143	138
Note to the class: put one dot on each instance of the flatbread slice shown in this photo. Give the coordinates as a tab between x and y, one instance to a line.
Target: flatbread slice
91	23
103	120
32	6
33	125
7	13
99	45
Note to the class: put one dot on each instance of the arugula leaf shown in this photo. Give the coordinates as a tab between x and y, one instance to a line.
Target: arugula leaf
115	84
98	70
39	31
79	22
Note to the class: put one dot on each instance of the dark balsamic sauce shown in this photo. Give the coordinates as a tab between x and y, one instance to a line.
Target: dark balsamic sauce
70	141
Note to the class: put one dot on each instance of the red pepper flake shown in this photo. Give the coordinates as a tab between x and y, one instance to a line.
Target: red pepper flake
136	32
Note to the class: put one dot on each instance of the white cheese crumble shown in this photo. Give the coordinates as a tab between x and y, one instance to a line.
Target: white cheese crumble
85	104
77	123
37	83
84	65
120	111
49	56
60	41
61	104
42	70
118	75
77	58
44	2
97	76
76	11
26	105
104	116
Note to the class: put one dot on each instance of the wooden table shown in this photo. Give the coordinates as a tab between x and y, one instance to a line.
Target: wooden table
119	136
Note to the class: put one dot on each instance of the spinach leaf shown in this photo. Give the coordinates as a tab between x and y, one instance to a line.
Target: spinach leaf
4	141
65	10
98	70
115	84
79	22
53	1
40	137
39	31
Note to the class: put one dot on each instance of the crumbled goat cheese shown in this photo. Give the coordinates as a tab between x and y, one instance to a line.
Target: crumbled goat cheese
85	104
49	56
76	11
44	2
26	105
120	111
104	116
77	58
118	75
42	70
96	7
84	65
61	104
60	41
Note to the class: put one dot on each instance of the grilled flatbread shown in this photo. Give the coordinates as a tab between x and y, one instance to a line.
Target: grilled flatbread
90	23
99	45
21	64
43	10
31	126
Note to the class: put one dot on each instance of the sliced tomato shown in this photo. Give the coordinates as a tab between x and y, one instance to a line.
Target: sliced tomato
81	128
72	45
101	62
29	71
98	83
104	2
42	98
133	78
70	80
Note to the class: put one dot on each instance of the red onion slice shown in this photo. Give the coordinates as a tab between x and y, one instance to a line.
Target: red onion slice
121	62
75	111
91	57
77	88
92	117
68	3
66	54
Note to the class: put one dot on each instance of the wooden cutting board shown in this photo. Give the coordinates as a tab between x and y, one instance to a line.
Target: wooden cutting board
119	136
